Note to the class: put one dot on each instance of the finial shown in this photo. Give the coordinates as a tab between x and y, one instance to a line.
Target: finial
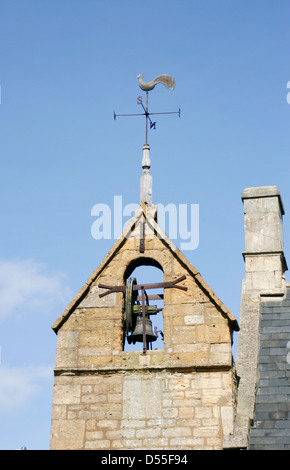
146	162
146	178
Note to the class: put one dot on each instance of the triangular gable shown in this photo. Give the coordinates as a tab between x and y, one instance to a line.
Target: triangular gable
150	220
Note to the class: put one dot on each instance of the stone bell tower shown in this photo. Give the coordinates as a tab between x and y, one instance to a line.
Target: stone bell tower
179	397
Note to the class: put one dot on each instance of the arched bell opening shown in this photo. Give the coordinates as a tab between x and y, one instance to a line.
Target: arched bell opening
142	261
140	279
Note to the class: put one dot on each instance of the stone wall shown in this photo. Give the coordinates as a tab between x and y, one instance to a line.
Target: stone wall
148	410
180	397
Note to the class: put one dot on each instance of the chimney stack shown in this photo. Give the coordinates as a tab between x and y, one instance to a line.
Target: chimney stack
265	266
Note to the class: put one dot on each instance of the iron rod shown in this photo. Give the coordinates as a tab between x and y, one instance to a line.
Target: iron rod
146	116
143	319
142	114
149	114
169	112
157	285
152	297
168	284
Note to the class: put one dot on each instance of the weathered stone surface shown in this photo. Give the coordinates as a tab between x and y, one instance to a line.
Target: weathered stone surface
178	397
67	434
265	265
93	299
139	410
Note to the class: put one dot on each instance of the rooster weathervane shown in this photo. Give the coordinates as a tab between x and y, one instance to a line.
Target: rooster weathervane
166	80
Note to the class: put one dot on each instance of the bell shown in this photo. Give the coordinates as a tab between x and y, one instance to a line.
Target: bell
137	335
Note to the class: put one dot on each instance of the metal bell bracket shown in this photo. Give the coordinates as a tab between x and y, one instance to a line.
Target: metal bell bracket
130	298
157	285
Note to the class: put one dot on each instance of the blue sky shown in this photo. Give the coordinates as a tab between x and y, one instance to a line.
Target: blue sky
64	68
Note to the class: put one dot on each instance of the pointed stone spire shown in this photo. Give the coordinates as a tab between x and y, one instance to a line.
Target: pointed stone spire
146	178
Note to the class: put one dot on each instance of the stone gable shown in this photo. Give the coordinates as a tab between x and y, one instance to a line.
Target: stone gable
182	396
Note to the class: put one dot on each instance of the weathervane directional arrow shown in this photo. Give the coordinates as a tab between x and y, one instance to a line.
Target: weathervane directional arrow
169	82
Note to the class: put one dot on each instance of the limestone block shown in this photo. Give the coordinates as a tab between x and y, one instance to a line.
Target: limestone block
66	358
187	443
262	191
67	339
113	272
262	263
183	431
207	431
186	412
100	314
97	351
76	321
67	434
193	294
212	397
219	333
227	415
213	316
94	435
155	443
96	338
193	357
203	412
185	313
148	433
263	233
66	393
67	348
94	361
93	298
170	412
58	412
262	280
220	353
179	382
184	335
98	444
194	319
143	398
93	398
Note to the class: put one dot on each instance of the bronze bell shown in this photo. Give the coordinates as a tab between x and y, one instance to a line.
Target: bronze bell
137	335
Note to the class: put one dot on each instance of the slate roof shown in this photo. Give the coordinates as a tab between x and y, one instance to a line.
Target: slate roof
271	428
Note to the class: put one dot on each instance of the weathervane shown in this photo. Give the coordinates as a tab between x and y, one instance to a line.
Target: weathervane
169	82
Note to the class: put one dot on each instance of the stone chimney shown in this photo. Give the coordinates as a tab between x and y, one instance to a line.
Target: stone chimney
265	265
